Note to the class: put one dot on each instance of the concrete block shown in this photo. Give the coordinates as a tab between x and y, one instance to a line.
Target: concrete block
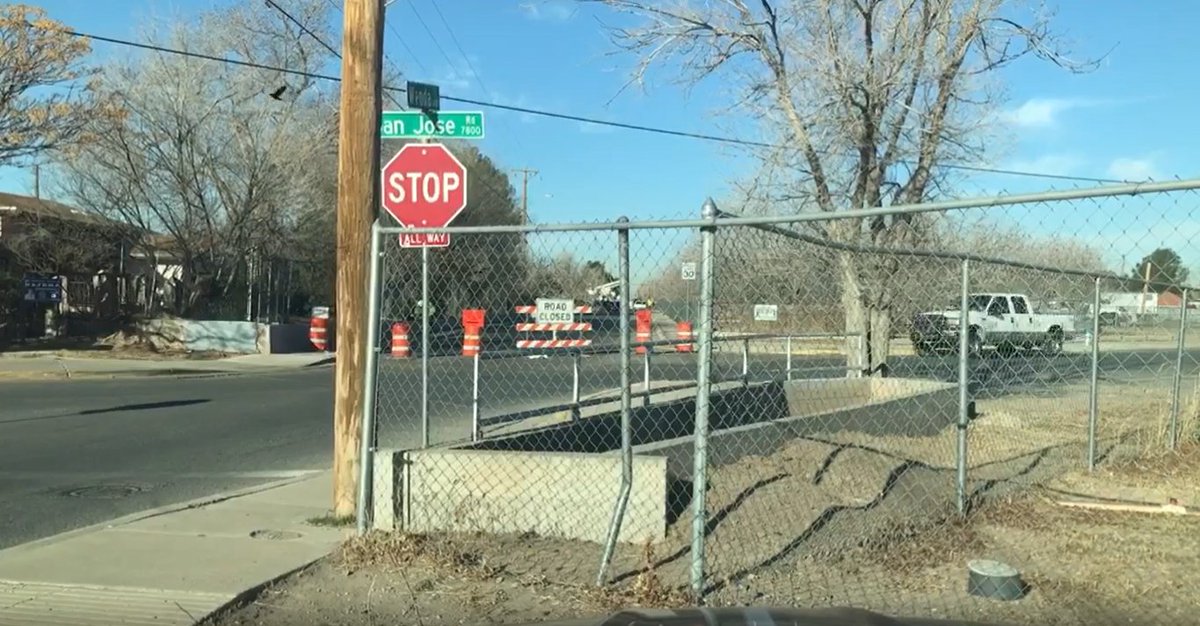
562	478
569	496
385	489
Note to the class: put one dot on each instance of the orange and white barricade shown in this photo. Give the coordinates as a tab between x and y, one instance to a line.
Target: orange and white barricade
554	341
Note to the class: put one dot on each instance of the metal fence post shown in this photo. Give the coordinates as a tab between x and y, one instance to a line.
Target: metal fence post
614	526
788	359
425	347
703	389
745	362
1173	434
475	396
1094	380
366	458
964	334
576	357
646	377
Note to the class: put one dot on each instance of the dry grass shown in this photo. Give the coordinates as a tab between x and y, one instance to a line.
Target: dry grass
646	591
396	551
329	520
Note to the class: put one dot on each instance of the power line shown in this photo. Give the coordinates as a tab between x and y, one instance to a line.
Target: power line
429	32
310	33
471	66
412	55
454	40
304	29
561	116
271	3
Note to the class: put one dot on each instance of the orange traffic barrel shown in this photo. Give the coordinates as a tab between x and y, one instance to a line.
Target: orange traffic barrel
318	332
683	332
400	346
471	340
642	333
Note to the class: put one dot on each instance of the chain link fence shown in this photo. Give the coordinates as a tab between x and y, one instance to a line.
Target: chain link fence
808	410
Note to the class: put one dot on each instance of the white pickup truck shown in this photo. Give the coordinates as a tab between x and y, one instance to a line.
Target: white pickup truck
1004	321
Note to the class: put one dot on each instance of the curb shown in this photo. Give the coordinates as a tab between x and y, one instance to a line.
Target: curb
156	512
171	373
247	596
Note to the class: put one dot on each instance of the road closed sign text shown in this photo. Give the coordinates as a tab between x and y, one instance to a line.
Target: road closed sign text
766	312
553	311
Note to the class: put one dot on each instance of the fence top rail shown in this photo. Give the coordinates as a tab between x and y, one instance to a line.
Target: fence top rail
1132	189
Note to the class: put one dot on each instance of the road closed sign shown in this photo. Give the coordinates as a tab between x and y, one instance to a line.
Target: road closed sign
766	312
553	311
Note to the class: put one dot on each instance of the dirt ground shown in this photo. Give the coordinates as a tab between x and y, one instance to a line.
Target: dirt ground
849	520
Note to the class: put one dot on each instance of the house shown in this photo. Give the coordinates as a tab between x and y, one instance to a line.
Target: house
1130	303
93	259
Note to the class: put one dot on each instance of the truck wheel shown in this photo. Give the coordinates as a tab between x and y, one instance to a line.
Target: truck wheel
1053	343
974	343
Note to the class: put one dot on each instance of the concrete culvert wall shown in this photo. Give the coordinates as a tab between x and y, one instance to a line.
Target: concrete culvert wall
563	480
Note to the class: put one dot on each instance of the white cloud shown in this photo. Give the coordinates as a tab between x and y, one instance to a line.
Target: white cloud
549	10
1042	112
1134	170
1057	164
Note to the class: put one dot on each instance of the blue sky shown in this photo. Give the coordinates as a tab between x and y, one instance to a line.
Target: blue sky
1131	119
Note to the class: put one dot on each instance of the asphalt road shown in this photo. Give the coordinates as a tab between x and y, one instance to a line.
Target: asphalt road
74	453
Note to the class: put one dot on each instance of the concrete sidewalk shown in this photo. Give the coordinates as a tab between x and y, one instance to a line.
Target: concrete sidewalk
171	566
51	365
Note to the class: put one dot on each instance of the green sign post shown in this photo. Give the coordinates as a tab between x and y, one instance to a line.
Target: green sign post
419	125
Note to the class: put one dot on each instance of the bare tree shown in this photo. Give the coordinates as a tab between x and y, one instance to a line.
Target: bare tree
47	92
867	98
217	158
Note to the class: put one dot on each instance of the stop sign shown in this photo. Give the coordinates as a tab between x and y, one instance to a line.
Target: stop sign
424	186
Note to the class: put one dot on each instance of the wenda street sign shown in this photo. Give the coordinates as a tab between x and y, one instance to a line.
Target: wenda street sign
419	125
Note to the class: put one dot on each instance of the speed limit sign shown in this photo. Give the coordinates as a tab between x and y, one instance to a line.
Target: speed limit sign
688	271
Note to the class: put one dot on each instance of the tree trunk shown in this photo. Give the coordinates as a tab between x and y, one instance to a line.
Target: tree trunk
857	344
880	339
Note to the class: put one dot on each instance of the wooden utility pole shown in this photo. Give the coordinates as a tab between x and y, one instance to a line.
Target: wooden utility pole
358	196
525	174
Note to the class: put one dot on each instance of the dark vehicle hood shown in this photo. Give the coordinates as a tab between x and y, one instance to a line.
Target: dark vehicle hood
757	617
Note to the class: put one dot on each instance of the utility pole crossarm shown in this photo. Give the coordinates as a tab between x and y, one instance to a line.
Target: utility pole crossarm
525	173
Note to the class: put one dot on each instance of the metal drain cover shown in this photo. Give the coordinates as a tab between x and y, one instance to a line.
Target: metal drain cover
275	535
104	492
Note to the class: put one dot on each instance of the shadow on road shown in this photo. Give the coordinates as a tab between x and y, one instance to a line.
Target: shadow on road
148	406
143	407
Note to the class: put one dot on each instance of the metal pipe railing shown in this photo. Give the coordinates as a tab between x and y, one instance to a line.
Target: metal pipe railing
577	403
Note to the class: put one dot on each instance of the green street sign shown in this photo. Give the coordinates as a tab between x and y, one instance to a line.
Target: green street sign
418	125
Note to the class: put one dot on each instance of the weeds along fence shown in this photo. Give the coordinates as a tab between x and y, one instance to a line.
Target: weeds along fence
786	397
